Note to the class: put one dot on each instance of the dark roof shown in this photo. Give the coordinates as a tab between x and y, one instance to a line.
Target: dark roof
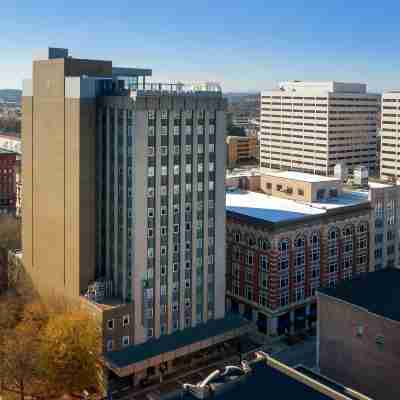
326	381
264	382
174	341
377	292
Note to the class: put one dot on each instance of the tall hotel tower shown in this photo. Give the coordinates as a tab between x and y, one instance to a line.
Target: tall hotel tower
124	196
312	126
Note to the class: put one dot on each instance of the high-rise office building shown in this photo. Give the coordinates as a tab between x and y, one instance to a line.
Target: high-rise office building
124	186
389	135
312	126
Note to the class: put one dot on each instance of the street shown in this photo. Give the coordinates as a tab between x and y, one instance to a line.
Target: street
302	353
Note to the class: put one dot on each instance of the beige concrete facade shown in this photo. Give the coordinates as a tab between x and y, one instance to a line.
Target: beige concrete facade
58	173
125	187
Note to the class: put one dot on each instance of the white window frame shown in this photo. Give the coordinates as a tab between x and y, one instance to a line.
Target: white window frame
125	341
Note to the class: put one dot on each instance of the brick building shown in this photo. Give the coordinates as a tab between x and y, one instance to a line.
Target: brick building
279	251
3	271
359	333
9	165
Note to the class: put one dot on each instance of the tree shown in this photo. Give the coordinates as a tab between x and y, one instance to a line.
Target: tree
19	356
70	351
10	233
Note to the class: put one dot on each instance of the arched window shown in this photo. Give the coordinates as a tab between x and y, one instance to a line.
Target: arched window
315	239
332	243
333	234
315	248
283	246
299	242
362	227
283	257
348	231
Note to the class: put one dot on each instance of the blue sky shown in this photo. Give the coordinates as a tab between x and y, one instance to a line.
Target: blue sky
245	45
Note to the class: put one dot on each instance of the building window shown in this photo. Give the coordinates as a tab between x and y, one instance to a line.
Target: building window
263	244
125	341
347	274
362	227
359	331
110	344
163	250
237	237
284	282
284	299
299	276
249	258
320	194
380	341
262	299
389	236
125	320
110	324
164	150
284	247
150	252
333	267
300	192
283	264
332	282
264	263
299	294
248	292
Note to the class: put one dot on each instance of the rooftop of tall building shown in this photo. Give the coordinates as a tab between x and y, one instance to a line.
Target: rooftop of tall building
297	87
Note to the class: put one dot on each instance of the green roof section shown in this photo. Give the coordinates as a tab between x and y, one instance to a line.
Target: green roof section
176	340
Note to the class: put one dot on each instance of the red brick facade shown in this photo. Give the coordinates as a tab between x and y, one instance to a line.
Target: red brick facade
8	184
314	257
3	271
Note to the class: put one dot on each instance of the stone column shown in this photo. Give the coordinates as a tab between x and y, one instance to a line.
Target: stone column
272	326
307	316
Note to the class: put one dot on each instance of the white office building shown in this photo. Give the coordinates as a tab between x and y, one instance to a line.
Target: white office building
311	126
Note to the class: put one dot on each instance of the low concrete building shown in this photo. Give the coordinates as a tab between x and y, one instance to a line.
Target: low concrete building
280	250
358	342
300	186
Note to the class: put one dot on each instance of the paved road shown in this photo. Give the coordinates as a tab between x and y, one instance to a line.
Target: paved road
301	353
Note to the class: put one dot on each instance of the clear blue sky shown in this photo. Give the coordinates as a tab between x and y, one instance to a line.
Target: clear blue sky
246	45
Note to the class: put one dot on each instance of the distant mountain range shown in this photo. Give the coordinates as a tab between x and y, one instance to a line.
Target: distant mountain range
11	95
